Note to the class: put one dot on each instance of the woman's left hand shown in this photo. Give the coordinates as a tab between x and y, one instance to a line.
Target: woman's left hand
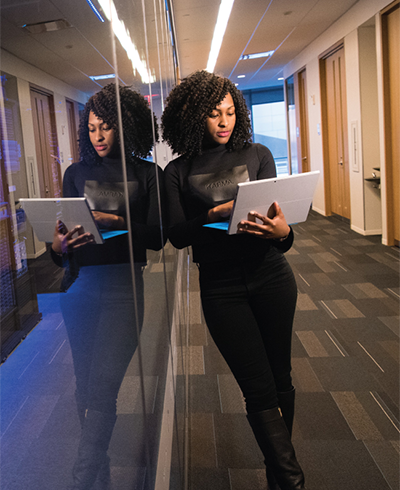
109	221
272	226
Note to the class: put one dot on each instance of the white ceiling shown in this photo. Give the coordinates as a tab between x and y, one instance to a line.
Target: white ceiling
85	48
286	26
73	54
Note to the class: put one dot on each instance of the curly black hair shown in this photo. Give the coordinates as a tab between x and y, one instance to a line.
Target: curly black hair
136	121
189	105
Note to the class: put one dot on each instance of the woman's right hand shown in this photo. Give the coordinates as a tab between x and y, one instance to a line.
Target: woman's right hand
221	212
64	241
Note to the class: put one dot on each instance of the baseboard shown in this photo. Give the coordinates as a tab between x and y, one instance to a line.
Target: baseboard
37	254
365	232
319	211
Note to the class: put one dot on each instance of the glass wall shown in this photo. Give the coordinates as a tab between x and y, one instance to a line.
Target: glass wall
87	362
269	123
292	126
269	126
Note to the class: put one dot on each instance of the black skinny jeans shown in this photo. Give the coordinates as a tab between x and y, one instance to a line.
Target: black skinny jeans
249	308
100	318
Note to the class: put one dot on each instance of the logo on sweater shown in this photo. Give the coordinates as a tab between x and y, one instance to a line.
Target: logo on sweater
109	197
113	194
220	183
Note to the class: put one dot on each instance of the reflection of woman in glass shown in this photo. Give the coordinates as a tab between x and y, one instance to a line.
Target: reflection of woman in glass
100	314
247	287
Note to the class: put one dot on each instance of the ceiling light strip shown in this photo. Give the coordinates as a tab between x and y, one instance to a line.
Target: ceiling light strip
254	56
98	14
102	77
220	27
124	38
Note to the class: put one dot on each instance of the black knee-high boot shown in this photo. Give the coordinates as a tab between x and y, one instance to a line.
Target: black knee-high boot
286	404
273	438
92	453
103	480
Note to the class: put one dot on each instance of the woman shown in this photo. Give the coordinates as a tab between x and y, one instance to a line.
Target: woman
103	309
248	290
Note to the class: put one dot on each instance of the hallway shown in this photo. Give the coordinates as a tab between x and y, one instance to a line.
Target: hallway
345	369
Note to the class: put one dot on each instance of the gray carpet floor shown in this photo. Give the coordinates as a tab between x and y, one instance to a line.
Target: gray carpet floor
345	369
345	360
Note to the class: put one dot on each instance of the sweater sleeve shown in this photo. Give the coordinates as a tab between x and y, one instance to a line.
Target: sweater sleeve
181	232
286	244
151	233
267	171
69	188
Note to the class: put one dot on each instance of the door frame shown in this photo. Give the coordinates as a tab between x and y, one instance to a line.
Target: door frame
324	124
48	169
387	127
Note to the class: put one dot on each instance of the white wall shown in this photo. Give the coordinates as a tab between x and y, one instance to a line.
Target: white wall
345	28
26	74
314	128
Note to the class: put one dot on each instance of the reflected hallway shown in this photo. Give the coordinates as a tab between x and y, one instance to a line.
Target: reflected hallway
40	428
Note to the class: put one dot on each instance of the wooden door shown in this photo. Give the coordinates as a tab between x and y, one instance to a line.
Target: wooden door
336	154
46	144
391	53
303	122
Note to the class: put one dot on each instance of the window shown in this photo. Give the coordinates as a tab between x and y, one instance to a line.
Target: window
269	127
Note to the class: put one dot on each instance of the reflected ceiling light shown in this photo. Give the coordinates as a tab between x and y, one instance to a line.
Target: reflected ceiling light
98	14
51	25
219	32
124	38
281	78
253	56
102	77
241	76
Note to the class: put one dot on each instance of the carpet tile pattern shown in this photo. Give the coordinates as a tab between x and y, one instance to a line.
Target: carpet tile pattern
345	369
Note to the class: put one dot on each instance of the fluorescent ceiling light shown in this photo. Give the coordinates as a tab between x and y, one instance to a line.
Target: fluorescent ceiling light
241	76
219	32
102	77
51	25
98	14
253	56
281	78
124	38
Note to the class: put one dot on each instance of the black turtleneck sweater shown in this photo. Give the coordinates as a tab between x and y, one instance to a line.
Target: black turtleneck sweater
102	185
195	186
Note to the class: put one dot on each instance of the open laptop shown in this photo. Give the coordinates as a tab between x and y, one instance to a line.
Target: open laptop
43	214
293	193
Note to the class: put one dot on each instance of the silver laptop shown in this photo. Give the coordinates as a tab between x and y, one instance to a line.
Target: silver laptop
43	214
293	193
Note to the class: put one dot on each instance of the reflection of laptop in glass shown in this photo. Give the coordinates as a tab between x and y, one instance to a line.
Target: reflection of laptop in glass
43	214
293	193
